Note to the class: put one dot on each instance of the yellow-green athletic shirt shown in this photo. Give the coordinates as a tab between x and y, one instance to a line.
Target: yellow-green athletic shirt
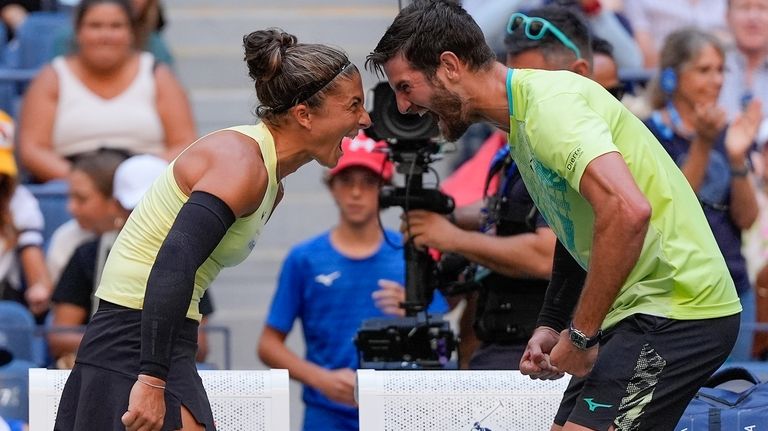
130	261
559	123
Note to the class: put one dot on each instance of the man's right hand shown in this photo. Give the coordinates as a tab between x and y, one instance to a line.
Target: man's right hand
338	385
535	362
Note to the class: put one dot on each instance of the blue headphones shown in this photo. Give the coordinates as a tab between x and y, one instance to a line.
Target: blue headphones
668	80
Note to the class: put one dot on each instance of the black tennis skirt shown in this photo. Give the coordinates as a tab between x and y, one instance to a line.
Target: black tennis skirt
95	396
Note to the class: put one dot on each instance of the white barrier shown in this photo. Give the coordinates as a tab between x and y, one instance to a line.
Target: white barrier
456	401
240	400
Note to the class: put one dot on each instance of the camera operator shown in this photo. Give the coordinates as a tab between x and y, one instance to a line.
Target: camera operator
520	250
333	282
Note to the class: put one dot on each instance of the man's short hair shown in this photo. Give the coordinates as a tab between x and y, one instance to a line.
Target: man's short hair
569	22
602	46
425	29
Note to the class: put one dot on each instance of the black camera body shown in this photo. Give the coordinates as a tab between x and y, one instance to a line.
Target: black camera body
389	124
419	340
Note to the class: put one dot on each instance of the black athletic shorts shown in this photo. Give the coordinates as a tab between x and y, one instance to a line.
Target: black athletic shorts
95	396
647	371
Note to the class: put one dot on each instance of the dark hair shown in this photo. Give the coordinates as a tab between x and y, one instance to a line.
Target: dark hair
602	46
570	23
85	5
286	73
680	48
427	28
100	167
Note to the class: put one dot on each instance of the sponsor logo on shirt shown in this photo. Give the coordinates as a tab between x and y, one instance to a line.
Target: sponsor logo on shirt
327	279
573	158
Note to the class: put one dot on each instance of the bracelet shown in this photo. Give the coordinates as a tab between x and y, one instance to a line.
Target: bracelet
151	385
740	172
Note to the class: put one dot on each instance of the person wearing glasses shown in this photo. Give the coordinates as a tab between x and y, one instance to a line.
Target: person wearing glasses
713	155
658	312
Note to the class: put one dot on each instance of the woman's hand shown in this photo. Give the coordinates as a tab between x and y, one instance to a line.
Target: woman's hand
742	132
146	405
709	120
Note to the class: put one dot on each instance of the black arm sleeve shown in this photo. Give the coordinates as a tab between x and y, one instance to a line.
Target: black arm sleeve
199	227
563	291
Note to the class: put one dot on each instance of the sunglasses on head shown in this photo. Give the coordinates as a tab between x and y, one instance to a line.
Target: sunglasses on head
536	28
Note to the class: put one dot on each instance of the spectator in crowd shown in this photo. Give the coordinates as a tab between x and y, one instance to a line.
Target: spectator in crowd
657	283
333	282
755	247
148	25
604	69
73	298
106	95
746	63
603	22
90	202
23	275
14	13
653	20
692	128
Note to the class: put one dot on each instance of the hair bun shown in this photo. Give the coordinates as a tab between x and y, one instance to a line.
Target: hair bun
264	51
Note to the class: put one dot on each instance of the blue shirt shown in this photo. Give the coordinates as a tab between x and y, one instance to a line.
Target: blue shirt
714	195
331	295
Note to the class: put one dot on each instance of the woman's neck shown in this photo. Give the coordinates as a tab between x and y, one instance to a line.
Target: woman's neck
686	113
290	150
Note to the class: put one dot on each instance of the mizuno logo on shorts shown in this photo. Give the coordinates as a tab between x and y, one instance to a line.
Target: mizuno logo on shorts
595	405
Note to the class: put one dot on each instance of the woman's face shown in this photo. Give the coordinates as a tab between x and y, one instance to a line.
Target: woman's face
700	80
342	114
105	36
92	210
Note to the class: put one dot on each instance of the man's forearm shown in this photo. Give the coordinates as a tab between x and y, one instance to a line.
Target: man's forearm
276	354
523	255
617	245
563	291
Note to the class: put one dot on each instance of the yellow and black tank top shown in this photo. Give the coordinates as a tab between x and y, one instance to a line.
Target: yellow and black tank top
130	261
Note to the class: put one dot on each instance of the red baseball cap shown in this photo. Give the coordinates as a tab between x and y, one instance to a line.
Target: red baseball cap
364	152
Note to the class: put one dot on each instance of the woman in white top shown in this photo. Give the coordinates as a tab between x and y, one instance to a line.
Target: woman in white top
107	95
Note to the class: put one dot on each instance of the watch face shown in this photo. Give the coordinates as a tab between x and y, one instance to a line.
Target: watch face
578	339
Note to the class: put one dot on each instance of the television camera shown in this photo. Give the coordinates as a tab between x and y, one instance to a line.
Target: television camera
419	340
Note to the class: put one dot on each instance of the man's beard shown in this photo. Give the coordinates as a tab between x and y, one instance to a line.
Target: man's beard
453	122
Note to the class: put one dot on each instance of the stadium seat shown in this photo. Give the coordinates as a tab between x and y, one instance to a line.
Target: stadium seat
52	197
456	400
36	38
17	330
14	386
244	400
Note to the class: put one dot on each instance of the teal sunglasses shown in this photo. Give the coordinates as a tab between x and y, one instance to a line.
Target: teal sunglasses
536	28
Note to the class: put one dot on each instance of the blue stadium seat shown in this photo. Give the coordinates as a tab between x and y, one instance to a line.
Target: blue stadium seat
52	197
14	390
17	330
36	38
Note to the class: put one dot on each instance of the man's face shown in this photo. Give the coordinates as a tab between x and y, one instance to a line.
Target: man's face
604	71
417	94
748	21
